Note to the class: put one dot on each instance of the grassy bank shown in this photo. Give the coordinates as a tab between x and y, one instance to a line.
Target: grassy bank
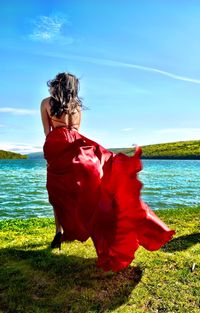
173	150
34	278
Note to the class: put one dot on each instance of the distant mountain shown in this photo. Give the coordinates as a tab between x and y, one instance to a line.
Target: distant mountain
173	150
11	155
36	155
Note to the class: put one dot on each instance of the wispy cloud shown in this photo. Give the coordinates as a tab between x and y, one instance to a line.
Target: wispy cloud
187	130
20	148
177	134
50	29
140	67
112	63
18	111
165	73
128	129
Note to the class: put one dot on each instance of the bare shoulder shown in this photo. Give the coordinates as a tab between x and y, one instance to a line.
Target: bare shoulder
45	102
45	105
79	108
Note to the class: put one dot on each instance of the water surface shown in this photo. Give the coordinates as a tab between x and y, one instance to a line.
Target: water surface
167	184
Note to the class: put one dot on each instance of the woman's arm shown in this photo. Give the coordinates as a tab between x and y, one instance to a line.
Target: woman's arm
45	117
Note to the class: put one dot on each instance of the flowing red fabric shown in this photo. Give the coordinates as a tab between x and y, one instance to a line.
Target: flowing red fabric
96	194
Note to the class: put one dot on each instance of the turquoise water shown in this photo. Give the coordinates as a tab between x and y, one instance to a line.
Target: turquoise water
167	184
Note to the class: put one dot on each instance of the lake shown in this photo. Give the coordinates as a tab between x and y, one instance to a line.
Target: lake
167	184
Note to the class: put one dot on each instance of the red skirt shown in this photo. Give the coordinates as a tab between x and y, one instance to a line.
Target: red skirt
96	194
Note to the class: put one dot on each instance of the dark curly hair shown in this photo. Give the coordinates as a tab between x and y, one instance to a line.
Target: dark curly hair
64	94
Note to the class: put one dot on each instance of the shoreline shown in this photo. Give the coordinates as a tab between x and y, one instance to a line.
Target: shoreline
178	150
159	212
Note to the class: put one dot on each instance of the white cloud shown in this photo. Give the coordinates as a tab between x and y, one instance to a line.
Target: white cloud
128	129
141	67
173	134
20	148
165	73
18	111
186	130
50	29
107	62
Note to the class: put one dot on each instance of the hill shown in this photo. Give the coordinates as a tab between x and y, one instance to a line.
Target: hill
36	155
174	150
11	155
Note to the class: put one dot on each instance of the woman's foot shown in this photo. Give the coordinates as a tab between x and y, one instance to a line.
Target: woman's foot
56	243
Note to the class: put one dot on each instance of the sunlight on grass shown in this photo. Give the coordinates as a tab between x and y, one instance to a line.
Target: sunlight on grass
34	278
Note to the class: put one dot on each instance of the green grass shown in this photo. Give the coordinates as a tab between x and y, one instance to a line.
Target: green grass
34	278
172	150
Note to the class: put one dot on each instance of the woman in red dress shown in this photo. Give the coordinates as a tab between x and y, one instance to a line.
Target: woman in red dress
94	192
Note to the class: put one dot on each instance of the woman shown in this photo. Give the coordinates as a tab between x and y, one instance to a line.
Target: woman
94	192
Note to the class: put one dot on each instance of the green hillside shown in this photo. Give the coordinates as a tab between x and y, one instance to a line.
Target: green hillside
11	155
173	150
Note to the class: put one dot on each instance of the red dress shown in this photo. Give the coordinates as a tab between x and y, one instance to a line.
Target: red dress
96	194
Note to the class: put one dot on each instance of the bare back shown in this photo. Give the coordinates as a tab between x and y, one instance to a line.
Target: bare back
71	121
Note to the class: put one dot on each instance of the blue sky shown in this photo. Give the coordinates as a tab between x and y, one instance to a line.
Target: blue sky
138	64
